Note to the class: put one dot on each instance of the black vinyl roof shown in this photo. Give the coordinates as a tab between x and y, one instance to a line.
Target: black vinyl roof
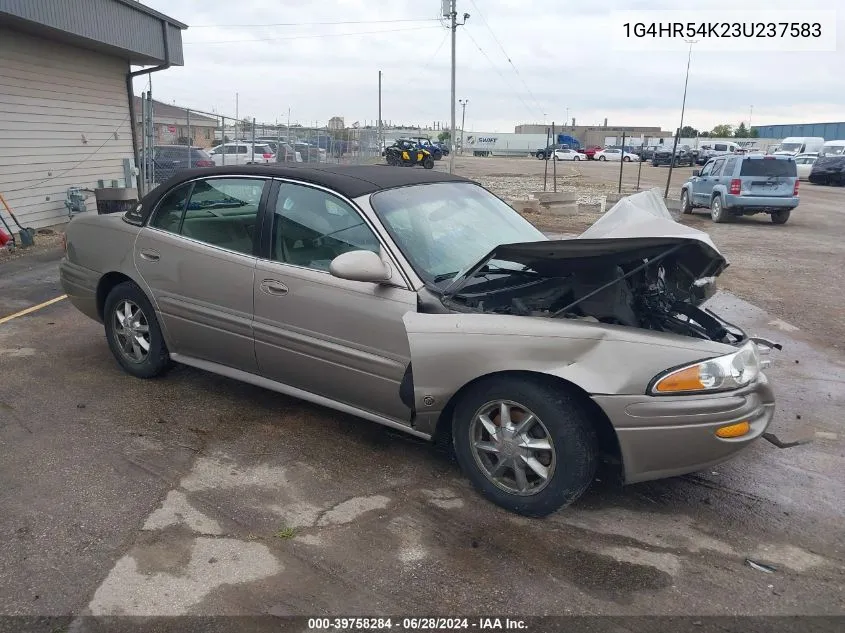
348	180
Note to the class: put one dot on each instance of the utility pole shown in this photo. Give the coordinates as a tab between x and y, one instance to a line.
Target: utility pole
378	135
463	103
750	113
454	24
678	135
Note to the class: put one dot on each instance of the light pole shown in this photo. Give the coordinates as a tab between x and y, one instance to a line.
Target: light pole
683	106
454	24
463	103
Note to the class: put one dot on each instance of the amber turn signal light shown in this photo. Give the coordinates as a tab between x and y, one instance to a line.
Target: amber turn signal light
733	430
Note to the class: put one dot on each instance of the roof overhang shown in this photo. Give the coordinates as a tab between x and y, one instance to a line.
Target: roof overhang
120	28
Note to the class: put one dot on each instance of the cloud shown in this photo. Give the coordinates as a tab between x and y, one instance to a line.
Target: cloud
518	60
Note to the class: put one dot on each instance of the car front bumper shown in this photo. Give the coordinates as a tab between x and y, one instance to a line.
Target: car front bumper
761	202
665	436
80	286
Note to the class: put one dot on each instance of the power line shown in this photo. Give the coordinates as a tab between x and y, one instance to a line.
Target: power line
318	35
239	26
499	72
504	52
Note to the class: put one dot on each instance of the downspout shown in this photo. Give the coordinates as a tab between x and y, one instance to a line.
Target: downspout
131	95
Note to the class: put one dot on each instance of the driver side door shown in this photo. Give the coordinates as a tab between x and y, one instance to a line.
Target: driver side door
344	340
701	186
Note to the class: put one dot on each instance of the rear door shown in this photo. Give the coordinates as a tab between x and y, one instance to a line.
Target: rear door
768	176
196	255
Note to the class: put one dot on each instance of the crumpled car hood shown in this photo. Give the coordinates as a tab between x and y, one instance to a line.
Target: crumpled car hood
639	225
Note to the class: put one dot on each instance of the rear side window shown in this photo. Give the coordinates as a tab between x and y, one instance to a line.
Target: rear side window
729	167
168	215
768	167
720	147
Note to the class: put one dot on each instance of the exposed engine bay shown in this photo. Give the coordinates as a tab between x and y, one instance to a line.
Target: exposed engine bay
652	298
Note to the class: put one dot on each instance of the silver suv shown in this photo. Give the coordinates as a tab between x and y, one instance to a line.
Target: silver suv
743	185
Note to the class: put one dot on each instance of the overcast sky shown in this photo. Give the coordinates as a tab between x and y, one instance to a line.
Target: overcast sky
562	56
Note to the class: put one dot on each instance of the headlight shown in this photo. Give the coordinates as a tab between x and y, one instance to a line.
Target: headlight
722	373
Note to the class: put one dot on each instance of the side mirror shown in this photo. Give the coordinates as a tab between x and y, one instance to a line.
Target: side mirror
360	266
696	173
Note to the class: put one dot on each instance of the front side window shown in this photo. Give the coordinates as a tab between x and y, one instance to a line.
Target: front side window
443	228
707	169
717	168
311	227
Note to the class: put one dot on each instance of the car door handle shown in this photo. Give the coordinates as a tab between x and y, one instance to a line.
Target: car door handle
150	255
273	287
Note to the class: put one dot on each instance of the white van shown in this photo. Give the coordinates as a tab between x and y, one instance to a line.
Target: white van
832	148
794	145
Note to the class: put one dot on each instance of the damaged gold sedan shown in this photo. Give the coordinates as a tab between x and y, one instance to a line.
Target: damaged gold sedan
421	301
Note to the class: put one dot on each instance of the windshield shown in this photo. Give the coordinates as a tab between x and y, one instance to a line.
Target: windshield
833	150
444	228
791	147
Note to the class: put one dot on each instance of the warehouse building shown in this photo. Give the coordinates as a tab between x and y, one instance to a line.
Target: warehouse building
829	131
591	135
65	96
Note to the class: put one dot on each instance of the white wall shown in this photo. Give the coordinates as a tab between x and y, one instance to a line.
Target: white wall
58	106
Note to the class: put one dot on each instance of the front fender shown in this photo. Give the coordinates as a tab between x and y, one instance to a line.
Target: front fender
450	350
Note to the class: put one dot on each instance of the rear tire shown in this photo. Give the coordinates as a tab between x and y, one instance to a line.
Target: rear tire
133	333
602	159
717	211
780	217
551	478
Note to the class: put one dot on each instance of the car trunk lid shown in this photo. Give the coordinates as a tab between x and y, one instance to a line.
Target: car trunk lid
768	176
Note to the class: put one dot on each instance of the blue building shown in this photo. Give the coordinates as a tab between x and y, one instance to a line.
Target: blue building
830	131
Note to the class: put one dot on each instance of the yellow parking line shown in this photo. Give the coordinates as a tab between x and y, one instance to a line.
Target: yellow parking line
6	319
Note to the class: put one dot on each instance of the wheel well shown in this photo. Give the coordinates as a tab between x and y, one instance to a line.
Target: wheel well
608	442
107	282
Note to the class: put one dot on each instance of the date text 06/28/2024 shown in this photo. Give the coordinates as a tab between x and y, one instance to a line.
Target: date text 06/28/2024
724	31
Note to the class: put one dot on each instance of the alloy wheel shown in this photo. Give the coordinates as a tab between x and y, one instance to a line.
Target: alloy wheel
131	331
512	447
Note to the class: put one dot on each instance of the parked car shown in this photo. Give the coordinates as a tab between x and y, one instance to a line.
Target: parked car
567	154
167	160
829	168
340	285
668	154
804	165
406	152
243	153
615	154
444	147
706	152
546	153
590	152
310	153
744	185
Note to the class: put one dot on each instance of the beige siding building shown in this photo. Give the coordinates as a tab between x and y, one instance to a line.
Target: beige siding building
65	116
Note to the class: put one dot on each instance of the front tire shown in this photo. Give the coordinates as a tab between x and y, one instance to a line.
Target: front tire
717	211
780	217
602	159
428	162
577	158
528	447
626	159
686	207
133	333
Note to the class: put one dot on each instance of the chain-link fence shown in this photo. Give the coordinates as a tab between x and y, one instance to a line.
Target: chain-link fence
171	139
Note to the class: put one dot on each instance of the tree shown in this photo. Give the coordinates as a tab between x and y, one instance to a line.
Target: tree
754	133
722	131
688	132
444	136
741	131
